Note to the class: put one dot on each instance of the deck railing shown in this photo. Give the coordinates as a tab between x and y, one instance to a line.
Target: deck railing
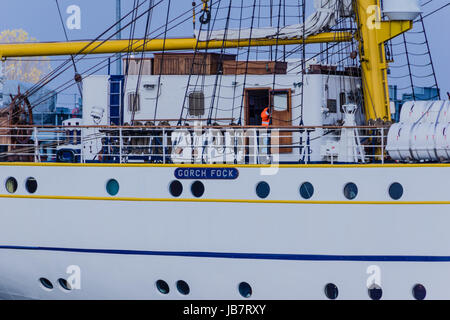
193	144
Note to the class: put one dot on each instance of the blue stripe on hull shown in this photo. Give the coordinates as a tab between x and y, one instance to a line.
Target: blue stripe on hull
251	256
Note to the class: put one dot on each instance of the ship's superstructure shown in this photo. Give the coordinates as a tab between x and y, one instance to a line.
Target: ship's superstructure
171	186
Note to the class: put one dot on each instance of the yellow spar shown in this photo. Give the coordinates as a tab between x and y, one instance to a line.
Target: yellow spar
117	46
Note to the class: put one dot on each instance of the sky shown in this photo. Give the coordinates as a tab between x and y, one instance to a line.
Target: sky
41	20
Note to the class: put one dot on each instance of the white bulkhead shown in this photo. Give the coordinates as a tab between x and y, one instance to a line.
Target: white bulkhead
165	101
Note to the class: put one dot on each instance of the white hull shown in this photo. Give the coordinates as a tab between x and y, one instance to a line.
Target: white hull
284	247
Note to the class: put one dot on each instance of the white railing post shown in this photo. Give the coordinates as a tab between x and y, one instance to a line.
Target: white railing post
164	138
37	157
82	158
120	145
256	145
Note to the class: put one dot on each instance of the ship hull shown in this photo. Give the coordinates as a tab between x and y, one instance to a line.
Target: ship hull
283	246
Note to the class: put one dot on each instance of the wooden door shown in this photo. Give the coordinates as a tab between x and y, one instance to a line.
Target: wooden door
281	117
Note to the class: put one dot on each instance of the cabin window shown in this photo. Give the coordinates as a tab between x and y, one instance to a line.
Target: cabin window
11	185
196	103
419	292
134	102
332	105
31	185
197	189
350	191
183	287
162	287
375	292
47	284
112	187
281	101
331	291
307	190
64	284
176	188
396	191
245	290
263	189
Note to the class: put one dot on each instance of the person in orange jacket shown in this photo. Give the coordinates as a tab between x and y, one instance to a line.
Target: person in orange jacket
265	122
265	117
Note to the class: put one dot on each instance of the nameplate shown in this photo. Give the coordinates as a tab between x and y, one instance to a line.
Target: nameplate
207	173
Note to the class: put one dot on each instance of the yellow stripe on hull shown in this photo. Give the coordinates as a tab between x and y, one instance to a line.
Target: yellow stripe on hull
150	165
132	199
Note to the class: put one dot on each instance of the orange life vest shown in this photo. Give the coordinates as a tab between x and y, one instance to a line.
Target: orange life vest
265	116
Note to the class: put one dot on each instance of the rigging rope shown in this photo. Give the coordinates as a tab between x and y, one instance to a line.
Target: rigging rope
141	63
220	66
57	71
202	66
77	76
236	65
161	64
246	63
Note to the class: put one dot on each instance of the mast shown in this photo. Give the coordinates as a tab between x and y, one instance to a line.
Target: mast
372	35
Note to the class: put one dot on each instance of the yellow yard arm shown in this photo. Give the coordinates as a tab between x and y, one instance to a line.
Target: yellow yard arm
116	46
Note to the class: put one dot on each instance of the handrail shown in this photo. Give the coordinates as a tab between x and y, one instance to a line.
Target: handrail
193	144
284	128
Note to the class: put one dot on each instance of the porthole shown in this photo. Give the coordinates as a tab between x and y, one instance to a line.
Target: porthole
350	191
64	284
31	185
197	189
112	187
11	185
396	191
162	287
183	287
331	291
306	190
419	292
47	284
176	188
245	290
375	292
263	189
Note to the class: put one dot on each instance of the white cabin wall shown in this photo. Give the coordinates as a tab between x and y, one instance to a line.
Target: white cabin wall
173	89
95	97
95	94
